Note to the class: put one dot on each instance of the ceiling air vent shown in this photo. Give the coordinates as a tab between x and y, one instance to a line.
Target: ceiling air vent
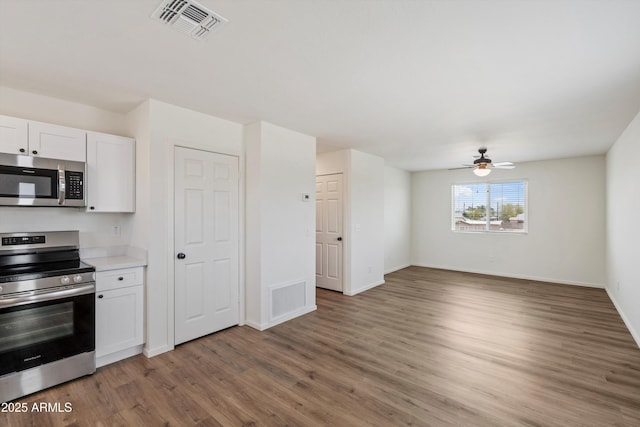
188	17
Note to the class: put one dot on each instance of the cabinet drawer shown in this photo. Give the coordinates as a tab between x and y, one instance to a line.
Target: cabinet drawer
114	279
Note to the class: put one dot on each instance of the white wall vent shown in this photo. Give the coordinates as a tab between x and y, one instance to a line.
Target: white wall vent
287	298
188	17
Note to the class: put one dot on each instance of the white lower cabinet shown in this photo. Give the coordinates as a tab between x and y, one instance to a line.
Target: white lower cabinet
119	314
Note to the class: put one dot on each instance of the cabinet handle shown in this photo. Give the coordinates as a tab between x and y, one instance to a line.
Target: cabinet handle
121	278
92	207
100	296
34	152
22	150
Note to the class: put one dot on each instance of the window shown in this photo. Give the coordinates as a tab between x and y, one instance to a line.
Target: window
493	207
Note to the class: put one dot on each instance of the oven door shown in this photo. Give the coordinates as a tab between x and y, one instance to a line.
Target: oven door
42	327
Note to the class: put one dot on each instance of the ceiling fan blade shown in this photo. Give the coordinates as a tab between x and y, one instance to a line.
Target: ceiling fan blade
463	167
503	164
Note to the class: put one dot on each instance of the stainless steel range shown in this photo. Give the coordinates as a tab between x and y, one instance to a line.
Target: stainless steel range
47	312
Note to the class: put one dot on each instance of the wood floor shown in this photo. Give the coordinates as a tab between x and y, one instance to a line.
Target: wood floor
428	348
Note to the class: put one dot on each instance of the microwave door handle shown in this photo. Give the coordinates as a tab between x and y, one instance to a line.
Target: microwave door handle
61	185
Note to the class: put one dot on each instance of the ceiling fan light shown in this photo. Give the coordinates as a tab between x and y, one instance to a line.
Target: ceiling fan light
482	171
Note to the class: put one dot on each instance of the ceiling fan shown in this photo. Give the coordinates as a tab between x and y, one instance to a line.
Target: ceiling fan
482	165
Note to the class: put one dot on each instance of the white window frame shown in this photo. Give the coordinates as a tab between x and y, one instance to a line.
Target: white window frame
487	228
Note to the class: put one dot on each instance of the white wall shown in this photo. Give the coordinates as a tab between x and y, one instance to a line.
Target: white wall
165	127
94	227
367	222
254	292
139	127
280	231
623	207
42	108
566	237
333	162
397	219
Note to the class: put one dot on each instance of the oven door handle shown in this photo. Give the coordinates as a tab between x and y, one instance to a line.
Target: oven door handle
62	184
53	294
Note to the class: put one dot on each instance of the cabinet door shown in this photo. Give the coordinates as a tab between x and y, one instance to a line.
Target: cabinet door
57	142
118	320
13	135
110	173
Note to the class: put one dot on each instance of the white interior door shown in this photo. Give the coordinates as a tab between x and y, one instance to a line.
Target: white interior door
206	243
329	231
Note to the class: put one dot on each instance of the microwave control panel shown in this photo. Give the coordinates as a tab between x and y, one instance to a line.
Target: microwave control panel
75	188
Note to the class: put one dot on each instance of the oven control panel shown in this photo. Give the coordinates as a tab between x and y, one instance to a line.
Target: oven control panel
13	243
77	278
23	240
46	284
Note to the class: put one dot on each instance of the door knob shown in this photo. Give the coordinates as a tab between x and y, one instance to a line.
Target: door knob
339	239
181	256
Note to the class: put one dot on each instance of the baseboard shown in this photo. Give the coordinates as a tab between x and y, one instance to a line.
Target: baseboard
156	351
254	325
515	276
397	268
117	356
634	334
366	288
277	321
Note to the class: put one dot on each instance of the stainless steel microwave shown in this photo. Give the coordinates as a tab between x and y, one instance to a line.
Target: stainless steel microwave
36	181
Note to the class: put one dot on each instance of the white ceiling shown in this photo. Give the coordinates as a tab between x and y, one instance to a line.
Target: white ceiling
421	83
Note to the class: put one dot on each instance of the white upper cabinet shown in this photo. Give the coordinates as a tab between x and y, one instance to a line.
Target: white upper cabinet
20	136
110	173
57	142
13	135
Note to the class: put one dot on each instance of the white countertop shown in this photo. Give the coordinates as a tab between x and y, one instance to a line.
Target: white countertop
115	262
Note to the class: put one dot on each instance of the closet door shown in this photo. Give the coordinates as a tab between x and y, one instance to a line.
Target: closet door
206	243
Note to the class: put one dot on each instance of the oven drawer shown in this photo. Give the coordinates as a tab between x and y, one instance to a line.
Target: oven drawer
122	278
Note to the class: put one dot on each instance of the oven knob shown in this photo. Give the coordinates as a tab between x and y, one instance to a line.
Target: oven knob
65	280
77	278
